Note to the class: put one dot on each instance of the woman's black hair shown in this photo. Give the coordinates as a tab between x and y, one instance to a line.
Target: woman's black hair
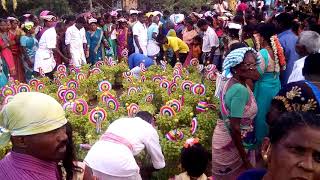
267	30
289	122
238	19
198	38
202	22
145	115
194	160
234	33
188	20
160	38
70	156
69	19
209	20
285	19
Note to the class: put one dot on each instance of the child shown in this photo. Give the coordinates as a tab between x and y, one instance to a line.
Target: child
194	159
196	47
195	50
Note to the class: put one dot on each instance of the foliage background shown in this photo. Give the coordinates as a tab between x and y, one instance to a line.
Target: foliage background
62	7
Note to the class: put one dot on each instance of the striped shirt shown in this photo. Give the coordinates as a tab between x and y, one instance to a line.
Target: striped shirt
16	166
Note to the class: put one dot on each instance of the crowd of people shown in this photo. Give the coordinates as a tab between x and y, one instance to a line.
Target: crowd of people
268	84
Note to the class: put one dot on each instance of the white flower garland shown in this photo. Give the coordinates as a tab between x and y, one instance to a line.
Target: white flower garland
256	39
275	52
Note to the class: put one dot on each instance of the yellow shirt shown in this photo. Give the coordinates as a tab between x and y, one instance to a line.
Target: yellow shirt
176	44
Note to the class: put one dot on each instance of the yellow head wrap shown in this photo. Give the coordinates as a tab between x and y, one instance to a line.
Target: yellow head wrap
30	113
28	25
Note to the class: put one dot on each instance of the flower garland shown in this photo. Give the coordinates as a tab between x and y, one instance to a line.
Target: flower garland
256	39
280	61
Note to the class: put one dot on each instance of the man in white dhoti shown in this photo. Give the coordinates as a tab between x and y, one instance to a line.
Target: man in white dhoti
76	42
140	37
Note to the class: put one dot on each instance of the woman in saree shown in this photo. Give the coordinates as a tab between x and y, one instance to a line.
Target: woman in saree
94	38
233	139
29	46
122	39
3	78
187	36
267	87
6	53
14	34
110	35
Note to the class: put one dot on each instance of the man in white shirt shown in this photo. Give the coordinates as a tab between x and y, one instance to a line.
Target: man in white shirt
308	43
140	35
76	42
112	157
44	60
210	41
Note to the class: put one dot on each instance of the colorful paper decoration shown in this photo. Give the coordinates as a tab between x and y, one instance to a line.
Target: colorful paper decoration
72	84
57	81
40	86
175	135
62	75
194	62
132	91
112	103
157	78
200	67
176	77
178	65
143	78
212	76
127	74
105	96
23	88
74	70
133	109
194	125
80	107
99	64
80	76
167	111
198	89
202	106
125	53
68	106
165	83
95	70
211	68
149	98
104	86
143	68
7	99
96	116
163	65
8	90
186	85
69	95
175	104
177	72
62	68
33	82
172	87
61	91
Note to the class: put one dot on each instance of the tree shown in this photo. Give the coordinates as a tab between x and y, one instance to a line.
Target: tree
4	4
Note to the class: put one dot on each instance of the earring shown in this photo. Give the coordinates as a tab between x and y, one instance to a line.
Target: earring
265	157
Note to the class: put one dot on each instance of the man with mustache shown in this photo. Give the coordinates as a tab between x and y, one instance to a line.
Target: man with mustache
36	125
